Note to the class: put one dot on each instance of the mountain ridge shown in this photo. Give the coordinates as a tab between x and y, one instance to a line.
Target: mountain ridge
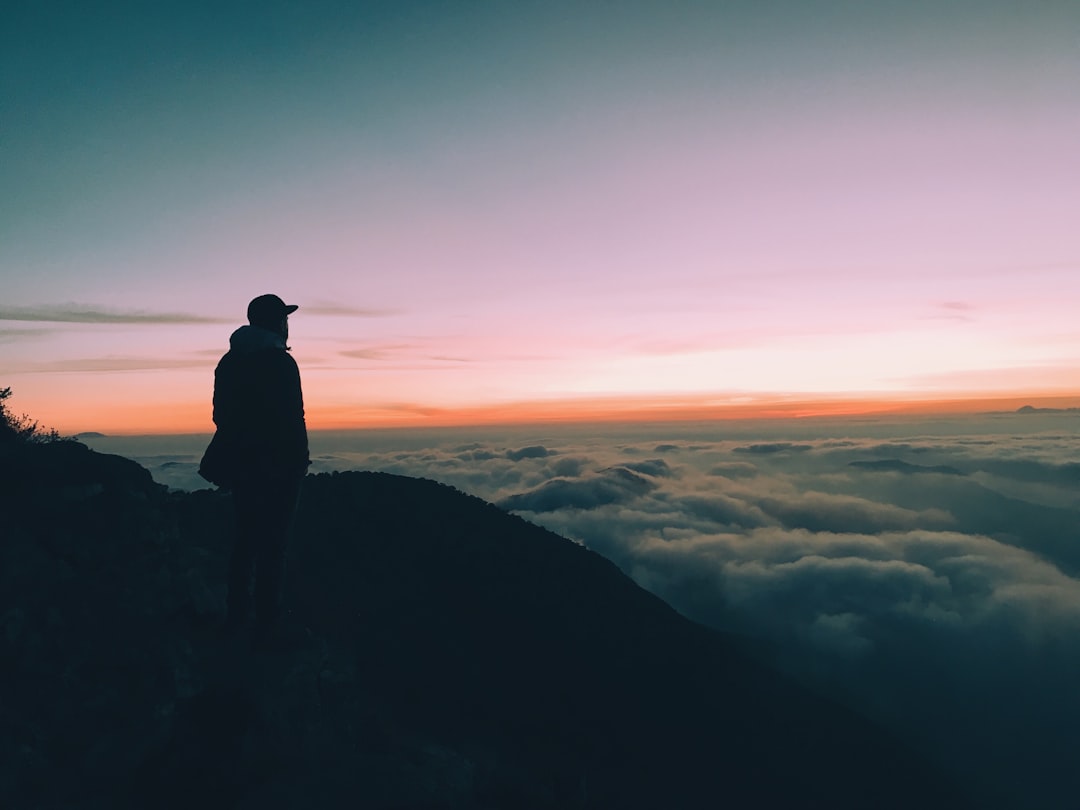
453	655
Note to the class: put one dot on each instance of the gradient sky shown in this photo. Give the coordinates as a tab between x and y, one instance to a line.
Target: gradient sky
486	207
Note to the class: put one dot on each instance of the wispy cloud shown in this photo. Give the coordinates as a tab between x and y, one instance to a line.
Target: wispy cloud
348	312
686	346
384	351
13	335
405	356
713	340
88	364
951	311
77	313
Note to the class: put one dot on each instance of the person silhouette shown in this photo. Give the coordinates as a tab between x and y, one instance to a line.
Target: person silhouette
260	452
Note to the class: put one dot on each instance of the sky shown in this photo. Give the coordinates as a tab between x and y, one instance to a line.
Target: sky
925	572
513	211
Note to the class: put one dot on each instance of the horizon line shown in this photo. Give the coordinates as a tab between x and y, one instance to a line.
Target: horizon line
597	411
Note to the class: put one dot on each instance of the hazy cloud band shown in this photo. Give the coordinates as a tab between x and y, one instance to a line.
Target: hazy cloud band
73	313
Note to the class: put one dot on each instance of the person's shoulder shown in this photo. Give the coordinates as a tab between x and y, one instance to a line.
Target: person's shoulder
228	359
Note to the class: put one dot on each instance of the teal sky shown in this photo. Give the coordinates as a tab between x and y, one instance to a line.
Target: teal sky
586	186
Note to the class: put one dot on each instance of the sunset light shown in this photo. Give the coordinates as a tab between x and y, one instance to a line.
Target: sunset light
515	216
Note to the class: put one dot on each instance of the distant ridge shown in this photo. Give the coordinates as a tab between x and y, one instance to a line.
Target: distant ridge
1033	409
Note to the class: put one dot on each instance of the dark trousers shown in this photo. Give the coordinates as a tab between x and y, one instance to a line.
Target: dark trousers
264	507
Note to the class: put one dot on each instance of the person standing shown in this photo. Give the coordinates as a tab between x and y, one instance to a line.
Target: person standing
260	452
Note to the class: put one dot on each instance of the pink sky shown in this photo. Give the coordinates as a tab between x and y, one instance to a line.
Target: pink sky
893	218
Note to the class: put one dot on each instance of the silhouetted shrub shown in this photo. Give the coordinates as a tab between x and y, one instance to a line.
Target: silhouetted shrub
22	429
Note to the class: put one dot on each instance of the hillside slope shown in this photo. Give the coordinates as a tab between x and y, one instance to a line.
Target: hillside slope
455	656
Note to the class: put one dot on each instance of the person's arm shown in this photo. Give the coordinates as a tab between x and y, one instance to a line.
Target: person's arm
295	425
223	404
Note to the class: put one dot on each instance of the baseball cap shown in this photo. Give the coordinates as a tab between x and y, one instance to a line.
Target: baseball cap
268	309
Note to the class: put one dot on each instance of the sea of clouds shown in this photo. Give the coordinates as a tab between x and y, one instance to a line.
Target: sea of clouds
924	572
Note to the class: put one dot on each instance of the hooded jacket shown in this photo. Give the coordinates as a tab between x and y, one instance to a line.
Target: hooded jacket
259	407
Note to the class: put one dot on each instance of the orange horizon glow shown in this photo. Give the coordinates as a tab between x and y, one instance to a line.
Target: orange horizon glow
194	417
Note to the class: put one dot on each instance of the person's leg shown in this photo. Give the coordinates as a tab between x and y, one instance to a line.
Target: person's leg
279	507
242	561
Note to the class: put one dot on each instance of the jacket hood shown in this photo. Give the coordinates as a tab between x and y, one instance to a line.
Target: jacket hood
248	339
